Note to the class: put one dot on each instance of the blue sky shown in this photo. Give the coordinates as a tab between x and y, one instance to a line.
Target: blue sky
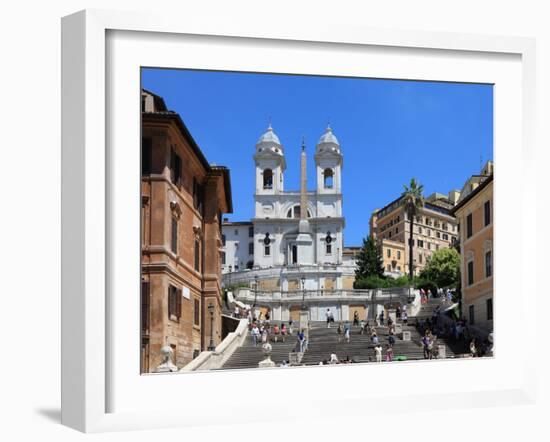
389	131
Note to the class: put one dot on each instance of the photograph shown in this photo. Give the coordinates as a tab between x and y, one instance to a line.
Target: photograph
304	220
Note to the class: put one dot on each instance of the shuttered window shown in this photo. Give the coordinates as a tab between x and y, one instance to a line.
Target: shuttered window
197	312
197	255
469	226
174	237
174	303
487	212
175	167
146	156
144	306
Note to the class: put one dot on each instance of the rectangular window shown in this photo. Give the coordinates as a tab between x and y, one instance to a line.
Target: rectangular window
488	264
175	167
469	226
251	232
419	229
223	257
399	254
144	306
489	309
420	258
438	235
197	256
174	303
388	252
471	315
445	237
420	243
429	245
146	156
267	250
487	212
223	240
470	273
329	249
251	248
197	312
174	237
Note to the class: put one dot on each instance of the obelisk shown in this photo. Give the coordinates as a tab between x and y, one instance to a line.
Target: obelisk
304	239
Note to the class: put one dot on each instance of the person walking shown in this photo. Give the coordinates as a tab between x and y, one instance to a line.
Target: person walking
283	332
404	317
301	340
362	325
255	334
347	333
329	317
340	331
389	353
425	345
378	352
391	339
382	317
355	318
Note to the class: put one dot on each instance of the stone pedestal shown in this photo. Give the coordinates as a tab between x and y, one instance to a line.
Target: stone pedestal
294	358
441	352
267	362
167	366
398	329
406	336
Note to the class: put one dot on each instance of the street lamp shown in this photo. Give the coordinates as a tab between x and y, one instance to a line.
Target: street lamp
255	290
211	346
303	279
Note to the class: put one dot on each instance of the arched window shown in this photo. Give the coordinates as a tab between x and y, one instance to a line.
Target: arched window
329	178
295	212
268	179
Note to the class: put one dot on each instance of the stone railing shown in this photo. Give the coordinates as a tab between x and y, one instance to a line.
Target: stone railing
400	294
210	360
247	276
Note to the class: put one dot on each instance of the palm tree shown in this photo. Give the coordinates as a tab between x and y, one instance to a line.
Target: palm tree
412	200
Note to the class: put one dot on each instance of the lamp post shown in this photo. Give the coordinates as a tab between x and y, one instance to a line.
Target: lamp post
211	346
303	279
255	297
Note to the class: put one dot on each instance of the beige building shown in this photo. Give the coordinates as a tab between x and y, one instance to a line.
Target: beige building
183	199
393	257
475	216
434	227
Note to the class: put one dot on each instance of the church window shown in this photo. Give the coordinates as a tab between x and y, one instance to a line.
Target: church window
268	179
267	250
329	178
329	249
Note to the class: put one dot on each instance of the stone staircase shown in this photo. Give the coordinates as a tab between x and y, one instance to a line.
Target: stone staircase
323	341
248	355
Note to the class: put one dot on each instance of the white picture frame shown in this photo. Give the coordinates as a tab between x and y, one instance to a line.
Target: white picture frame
91	318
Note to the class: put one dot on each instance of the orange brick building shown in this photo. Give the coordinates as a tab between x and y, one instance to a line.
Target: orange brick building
475	217
183	198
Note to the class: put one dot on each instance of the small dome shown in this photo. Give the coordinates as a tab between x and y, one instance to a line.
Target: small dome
269	137
328	137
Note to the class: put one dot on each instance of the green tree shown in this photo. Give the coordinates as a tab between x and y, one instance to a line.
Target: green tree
369	260
412	200
443	268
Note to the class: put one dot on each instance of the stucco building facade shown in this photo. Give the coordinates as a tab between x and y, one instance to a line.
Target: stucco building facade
434	227
475	216
183	199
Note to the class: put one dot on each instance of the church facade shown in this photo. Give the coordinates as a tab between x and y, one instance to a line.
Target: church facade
293	247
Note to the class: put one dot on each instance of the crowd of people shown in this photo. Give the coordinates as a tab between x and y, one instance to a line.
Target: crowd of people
262	331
